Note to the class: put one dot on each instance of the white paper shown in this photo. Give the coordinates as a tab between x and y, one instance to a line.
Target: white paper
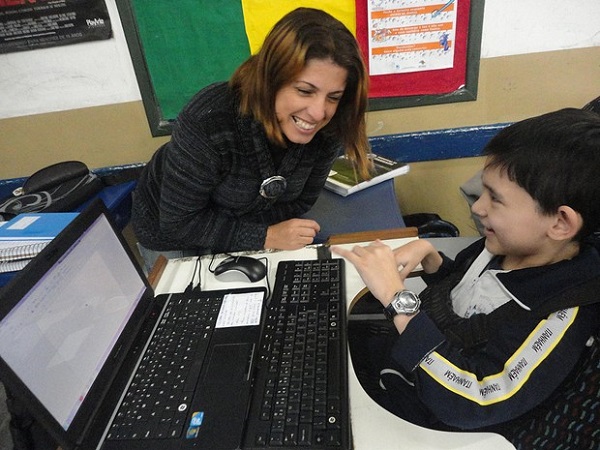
239	310
23	223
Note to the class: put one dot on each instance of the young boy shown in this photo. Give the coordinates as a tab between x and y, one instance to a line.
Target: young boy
500	333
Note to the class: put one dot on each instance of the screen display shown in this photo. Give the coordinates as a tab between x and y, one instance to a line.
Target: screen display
61	332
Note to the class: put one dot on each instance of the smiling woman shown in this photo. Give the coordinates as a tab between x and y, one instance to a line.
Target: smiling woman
305	106
286	113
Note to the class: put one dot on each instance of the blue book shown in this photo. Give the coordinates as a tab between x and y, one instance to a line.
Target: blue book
35	226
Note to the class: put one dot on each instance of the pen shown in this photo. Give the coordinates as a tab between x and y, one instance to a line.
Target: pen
438	11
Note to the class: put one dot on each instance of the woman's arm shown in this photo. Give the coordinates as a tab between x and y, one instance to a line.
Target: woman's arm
200	208
306	183
194	166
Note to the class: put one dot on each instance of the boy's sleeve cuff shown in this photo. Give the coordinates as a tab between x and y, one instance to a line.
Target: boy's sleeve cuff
419	339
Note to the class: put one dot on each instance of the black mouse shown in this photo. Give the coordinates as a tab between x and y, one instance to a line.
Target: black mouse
240	268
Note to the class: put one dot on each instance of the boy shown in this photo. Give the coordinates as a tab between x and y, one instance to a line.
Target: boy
500	333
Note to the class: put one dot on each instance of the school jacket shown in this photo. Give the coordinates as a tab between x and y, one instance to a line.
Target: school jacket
524	358
200	191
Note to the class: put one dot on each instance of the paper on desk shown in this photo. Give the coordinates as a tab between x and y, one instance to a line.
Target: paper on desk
178	272
239	310
270	259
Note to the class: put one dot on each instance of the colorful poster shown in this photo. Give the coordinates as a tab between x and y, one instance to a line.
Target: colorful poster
32	24
411	35
431	78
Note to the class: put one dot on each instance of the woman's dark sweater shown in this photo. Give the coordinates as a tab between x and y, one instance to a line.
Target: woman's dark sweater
200	190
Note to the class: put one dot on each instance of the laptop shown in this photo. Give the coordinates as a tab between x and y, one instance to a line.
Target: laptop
74	326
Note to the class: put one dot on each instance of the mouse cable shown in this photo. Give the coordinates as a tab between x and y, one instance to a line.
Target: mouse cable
198	287
212	260
210	265
266	262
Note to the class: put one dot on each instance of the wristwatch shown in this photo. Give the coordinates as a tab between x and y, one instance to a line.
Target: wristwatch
404	302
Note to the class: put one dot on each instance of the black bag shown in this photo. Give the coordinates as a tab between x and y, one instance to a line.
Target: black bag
60	187
430	225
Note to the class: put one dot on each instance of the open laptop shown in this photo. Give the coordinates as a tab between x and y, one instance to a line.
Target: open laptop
75	323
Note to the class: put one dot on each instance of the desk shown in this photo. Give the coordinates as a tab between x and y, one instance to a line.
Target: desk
373	428
374	208
118	199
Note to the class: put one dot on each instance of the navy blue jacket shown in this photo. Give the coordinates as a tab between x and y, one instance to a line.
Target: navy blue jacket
526	357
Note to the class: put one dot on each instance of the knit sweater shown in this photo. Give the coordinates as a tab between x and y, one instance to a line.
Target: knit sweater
200	191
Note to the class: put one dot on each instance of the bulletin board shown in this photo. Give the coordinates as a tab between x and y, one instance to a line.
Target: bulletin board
178	48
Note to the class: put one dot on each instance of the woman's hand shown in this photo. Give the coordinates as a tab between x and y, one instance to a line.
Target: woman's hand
291	234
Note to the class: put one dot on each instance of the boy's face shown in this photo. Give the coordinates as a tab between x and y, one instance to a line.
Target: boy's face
514	226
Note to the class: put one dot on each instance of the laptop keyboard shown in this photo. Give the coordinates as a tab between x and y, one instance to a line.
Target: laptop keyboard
302	365
300	392
157	401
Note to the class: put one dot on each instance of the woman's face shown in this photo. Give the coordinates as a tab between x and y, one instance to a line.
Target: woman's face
307	103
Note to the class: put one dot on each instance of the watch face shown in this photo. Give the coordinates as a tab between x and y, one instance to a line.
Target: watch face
406	302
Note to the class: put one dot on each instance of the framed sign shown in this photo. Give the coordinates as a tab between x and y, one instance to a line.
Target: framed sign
30	25
430	48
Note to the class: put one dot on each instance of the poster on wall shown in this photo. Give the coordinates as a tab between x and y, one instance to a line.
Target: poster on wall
407	36
33	24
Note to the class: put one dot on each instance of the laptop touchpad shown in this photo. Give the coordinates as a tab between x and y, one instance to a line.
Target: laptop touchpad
228	364
223	396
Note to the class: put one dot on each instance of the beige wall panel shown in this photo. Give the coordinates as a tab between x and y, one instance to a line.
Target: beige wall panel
510	88
101	136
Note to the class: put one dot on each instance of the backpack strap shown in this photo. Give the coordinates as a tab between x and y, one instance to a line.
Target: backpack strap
123	175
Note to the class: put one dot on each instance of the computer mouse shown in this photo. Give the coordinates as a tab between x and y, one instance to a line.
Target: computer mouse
240	268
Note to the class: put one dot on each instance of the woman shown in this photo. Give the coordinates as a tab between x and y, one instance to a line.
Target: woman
247	158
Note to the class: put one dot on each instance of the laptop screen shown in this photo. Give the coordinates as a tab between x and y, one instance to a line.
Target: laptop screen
59	335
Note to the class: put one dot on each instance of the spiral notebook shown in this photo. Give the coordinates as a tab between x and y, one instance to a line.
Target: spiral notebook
26	235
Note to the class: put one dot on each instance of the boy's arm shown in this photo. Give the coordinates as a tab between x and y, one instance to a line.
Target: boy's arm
523	363
464	258
384	270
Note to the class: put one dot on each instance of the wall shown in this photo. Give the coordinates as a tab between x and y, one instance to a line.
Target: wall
82	101
510	89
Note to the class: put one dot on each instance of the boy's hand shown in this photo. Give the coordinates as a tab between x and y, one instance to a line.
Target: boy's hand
417	252
376	265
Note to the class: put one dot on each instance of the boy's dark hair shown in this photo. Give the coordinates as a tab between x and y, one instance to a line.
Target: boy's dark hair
555	157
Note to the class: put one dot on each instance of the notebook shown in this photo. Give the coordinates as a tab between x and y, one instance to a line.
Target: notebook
24	236
75	323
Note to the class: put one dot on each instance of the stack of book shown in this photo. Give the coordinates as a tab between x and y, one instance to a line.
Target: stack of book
344	180
22	238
